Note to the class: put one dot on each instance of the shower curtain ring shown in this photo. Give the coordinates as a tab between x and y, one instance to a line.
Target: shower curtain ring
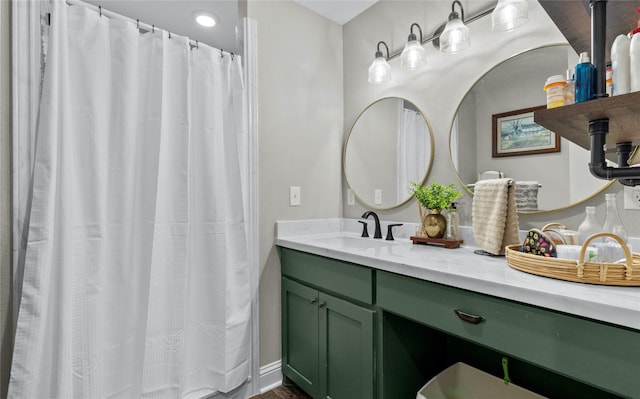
221	54
169	35
232	55
138	24
197	45
100	11
153	29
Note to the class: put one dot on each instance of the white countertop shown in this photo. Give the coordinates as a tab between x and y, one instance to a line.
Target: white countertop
461	268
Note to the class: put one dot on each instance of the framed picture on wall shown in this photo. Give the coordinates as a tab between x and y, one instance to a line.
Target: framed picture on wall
515	133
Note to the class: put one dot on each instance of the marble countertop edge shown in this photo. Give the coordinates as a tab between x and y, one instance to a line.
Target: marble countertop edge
461	268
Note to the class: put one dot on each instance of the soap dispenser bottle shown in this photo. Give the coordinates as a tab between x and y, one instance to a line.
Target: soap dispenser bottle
452	231
584	76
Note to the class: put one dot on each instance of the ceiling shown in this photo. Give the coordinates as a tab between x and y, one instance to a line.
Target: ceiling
338	11
176	16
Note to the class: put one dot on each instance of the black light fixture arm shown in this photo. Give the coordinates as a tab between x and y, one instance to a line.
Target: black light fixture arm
412	36
454	14
436	35
379	52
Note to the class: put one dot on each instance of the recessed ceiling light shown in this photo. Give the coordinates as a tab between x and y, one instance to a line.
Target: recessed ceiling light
204	18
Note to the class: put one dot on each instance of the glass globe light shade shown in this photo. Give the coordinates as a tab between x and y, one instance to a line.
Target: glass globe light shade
380	70
455	37
509	14
413	56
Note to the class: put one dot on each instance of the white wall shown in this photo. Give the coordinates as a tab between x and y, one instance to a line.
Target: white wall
440	87
6	320
300	135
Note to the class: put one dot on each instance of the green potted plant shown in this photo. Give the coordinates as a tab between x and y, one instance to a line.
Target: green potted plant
434	198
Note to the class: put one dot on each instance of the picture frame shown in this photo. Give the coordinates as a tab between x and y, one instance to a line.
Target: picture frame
515	133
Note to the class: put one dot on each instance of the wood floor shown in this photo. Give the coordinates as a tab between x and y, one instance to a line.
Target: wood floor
282	392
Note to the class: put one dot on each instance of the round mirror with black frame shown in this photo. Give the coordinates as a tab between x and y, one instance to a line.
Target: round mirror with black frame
493	135
389	146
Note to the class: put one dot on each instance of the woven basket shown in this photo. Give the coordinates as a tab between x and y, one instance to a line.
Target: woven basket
626	274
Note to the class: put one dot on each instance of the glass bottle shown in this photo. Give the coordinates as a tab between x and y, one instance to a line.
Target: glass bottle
570	88
609	249
612	223
589	226
453	224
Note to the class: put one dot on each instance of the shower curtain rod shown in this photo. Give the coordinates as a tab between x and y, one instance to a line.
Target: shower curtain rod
140	25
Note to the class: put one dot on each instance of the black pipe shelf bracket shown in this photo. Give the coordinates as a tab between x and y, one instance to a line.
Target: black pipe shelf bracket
599	128
626	175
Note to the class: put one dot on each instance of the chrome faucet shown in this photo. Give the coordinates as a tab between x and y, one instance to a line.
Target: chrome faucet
378	232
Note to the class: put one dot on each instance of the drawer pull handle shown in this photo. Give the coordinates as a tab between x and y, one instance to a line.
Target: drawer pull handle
313	301
322	305
469	318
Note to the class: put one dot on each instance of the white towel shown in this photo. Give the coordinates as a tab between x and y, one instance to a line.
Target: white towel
527	195
494	215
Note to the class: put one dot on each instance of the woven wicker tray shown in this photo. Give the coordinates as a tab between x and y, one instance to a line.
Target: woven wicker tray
624	274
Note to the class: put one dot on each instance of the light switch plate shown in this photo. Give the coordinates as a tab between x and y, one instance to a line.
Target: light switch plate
294	196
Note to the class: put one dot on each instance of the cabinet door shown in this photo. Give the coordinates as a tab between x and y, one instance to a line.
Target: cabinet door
346	350
300	335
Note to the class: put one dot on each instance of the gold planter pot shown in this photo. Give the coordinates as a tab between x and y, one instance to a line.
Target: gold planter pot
434	224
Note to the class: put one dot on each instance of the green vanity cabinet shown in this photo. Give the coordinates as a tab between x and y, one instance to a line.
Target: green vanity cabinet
351	331
327	336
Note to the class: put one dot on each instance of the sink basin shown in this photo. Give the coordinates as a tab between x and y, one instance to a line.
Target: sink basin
355	242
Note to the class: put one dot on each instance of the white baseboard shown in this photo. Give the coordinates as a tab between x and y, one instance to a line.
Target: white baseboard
270	376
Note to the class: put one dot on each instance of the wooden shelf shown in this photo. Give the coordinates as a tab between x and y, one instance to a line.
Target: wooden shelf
572	121
573	18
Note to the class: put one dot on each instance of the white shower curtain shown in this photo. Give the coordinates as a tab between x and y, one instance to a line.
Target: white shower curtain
136	281
414	149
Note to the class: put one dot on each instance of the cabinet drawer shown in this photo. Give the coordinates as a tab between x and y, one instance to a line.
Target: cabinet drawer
598	354
347	279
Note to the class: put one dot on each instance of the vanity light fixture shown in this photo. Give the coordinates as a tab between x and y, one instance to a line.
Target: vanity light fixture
456	36
414	55
450	37
205	19
509	14
380	70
